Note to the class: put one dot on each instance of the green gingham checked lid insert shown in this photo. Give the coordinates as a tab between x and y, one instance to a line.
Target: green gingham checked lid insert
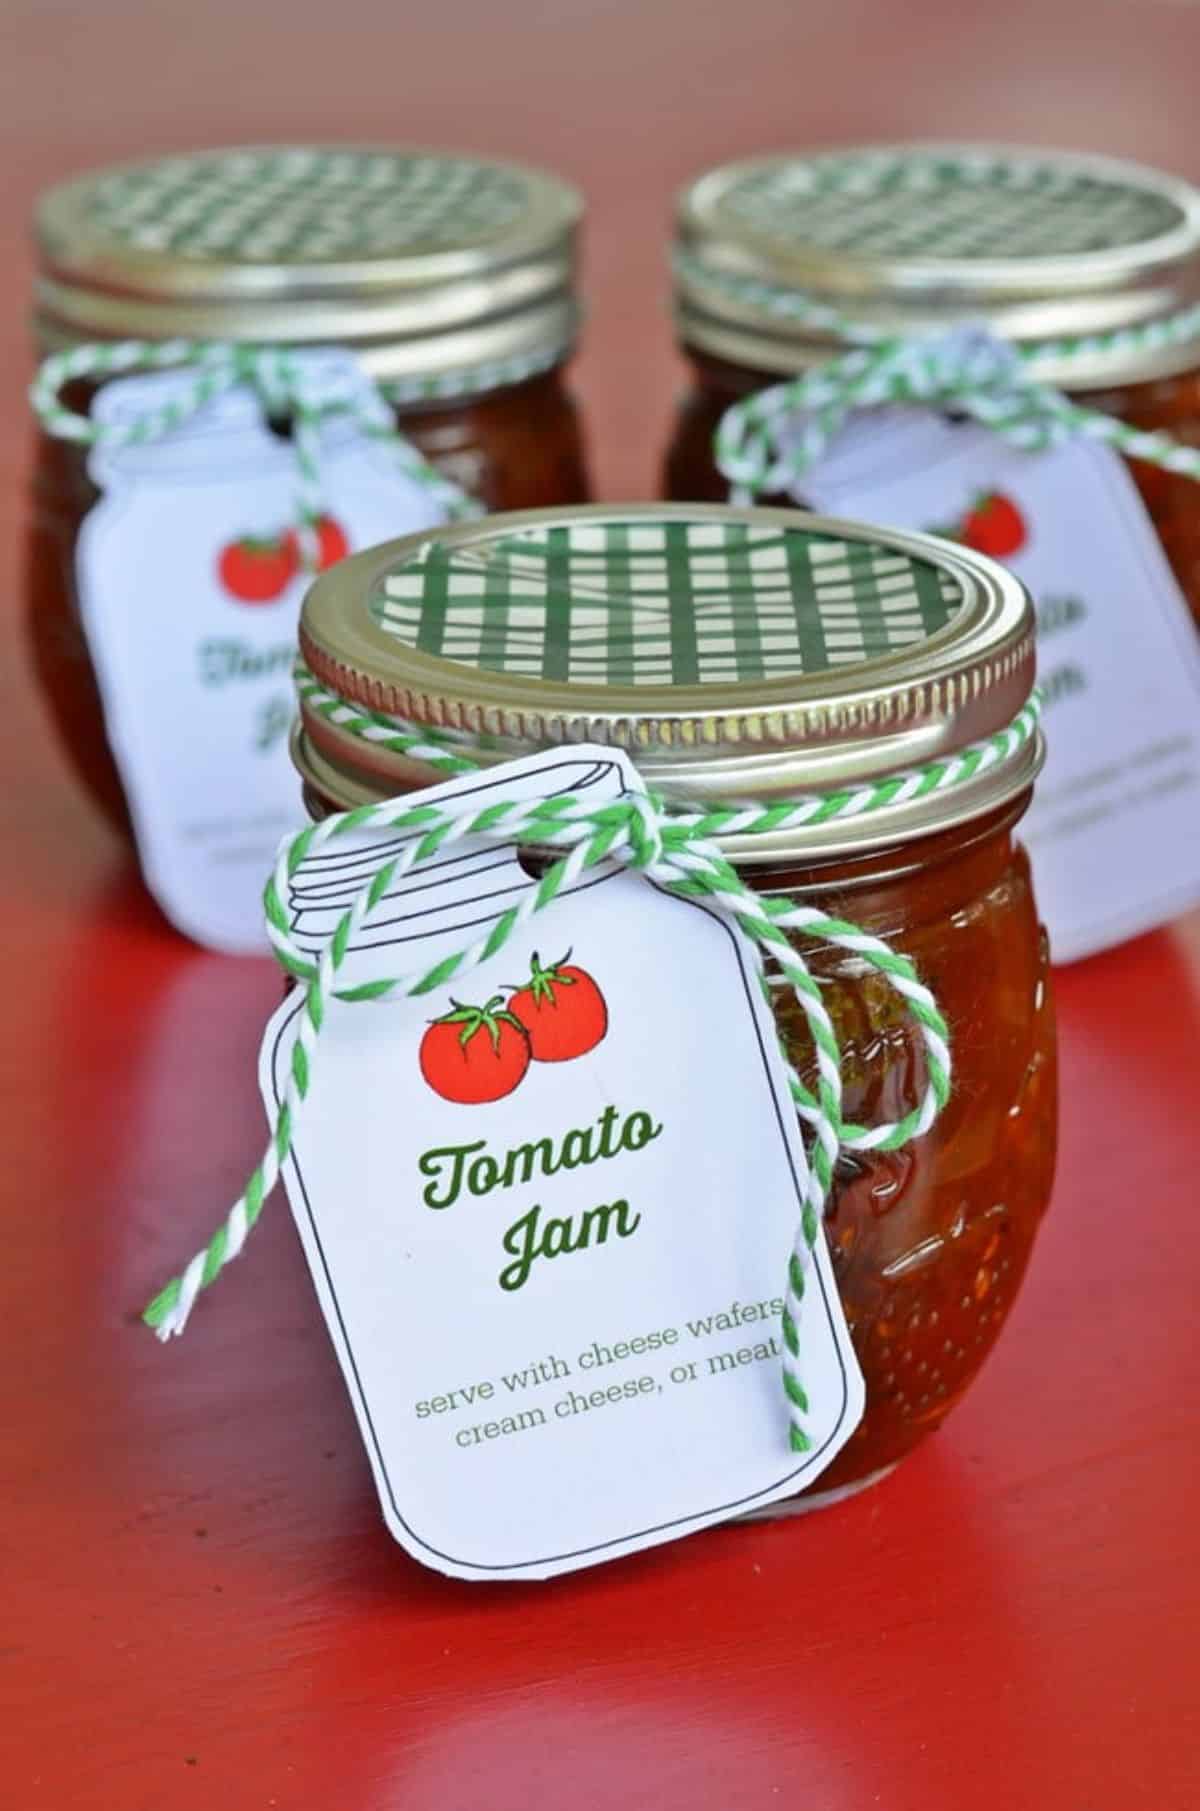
940	204
298	205
662	604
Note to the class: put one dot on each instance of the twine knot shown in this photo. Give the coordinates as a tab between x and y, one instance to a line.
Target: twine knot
650	836
645	818
768	441
306	389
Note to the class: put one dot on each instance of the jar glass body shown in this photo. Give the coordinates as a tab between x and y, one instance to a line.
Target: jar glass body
520	447
928	1243
1171	404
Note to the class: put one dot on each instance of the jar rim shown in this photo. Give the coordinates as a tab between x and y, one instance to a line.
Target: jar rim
427	260
878	652
1042	247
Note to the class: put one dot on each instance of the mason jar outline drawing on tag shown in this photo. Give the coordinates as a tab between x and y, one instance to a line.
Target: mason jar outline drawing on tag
346	872
195	679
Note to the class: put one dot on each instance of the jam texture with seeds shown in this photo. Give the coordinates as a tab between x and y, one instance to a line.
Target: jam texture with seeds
929	1243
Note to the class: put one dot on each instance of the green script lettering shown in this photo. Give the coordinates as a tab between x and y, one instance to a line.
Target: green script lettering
430	1164
224	660
451	1167
531	1238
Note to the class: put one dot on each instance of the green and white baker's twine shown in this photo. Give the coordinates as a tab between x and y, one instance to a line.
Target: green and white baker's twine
434	749
768	441
672	846
284	383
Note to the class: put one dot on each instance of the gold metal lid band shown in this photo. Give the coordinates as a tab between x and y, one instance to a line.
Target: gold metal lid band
735	653
1044	248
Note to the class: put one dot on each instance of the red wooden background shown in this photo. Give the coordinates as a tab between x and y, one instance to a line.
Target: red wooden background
198	1604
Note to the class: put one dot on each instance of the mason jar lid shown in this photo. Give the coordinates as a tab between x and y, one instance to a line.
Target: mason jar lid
426	263
737	654
916	239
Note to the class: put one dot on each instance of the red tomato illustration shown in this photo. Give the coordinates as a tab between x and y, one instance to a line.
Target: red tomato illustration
563	1011
994	525
332	543
475	1053
257	570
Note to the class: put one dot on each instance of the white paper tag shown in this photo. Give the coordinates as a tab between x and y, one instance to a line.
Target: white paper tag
193	633
557	1312
1114	829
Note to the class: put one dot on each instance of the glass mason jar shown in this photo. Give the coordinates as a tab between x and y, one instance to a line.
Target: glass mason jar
1044	249
450	279
755	654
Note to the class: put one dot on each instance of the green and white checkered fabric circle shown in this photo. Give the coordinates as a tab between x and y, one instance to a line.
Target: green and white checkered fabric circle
292	205
925	204
667	603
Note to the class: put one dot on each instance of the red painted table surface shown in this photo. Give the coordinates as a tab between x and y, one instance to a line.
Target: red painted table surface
198	1604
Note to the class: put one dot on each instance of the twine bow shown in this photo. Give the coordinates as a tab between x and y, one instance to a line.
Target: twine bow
768	441
670	845
306	391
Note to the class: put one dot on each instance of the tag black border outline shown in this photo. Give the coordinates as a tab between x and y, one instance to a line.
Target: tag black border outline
618	1545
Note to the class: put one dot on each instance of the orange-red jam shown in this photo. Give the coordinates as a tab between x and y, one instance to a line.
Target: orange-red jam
929	1241
451	279
1087	267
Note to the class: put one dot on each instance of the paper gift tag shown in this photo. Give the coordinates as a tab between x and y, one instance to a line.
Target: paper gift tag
190	589
557	1311
1113	825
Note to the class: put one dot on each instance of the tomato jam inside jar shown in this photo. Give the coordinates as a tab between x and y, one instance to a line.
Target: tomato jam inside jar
1088	266
451	279
762	655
